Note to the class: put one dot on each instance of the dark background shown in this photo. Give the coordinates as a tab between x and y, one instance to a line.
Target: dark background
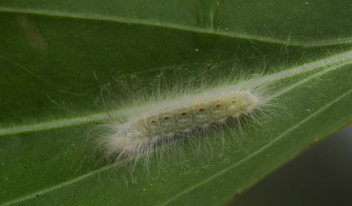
320	176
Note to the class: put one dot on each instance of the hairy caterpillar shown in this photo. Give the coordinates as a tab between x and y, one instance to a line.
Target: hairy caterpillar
161	124
162	120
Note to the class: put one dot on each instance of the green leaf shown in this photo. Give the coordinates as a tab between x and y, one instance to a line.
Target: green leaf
56	57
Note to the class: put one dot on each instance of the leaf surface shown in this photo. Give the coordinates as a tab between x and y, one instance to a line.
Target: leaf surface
56	58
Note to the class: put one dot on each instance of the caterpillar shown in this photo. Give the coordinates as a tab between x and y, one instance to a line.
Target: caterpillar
164	119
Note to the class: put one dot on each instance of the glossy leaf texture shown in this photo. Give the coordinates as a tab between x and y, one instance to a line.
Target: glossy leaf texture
58	57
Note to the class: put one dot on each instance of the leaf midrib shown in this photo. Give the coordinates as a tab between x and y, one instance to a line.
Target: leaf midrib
331	63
